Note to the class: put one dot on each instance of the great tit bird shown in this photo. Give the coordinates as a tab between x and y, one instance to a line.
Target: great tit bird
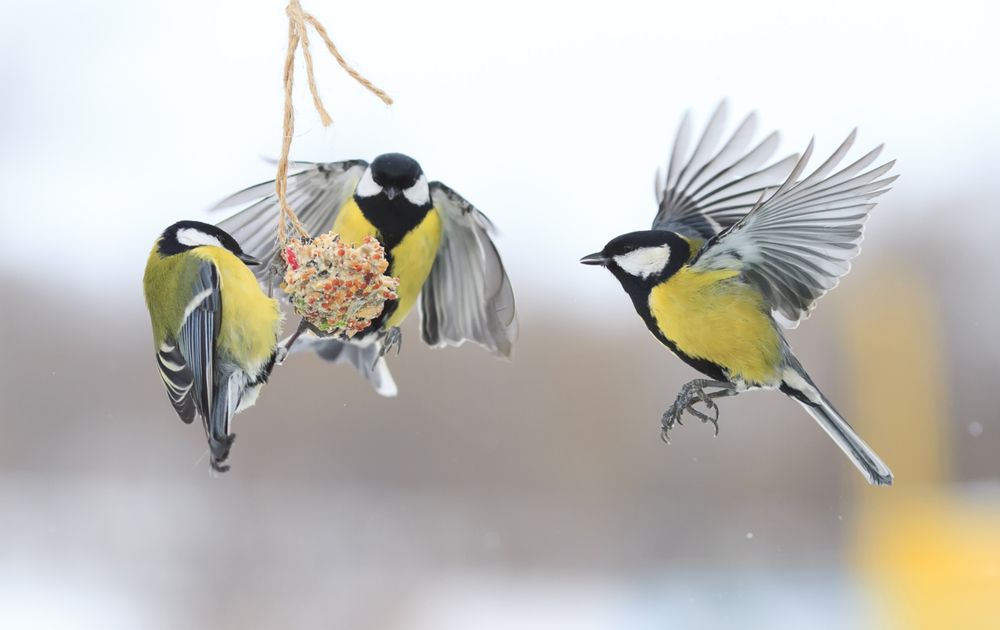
214	331
730	260
437	244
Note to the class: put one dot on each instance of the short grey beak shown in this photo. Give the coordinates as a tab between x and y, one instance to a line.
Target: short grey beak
248	260
594	259
391	192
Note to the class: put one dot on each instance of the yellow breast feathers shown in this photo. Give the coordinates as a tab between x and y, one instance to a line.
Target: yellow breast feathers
713	316
251	321
412	258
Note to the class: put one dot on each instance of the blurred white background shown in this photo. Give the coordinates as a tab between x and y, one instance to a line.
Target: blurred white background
120	117
534	494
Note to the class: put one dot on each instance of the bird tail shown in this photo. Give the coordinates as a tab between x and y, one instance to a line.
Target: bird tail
364	358
799	386
226	399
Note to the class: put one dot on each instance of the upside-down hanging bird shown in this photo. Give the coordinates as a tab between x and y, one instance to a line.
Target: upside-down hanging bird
215	333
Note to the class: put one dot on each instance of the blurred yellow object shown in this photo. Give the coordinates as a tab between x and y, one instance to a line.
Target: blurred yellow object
932	560
929	555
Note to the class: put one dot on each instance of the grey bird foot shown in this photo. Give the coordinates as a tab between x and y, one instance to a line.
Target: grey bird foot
275	270
286	346
691	394
393	339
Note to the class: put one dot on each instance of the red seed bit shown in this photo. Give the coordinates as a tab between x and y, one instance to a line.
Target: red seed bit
290	257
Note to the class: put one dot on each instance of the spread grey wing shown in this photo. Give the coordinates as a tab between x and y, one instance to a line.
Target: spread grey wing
797	243
712	188
316	193
468	295
187	363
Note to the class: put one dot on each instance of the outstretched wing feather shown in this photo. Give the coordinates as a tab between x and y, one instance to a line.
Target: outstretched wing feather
316	194
714	187
797	243
468	296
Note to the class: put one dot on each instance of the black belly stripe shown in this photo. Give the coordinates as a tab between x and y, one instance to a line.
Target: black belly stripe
393	219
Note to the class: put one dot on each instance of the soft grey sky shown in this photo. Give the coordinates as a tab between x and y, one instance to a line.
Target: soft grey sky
119	118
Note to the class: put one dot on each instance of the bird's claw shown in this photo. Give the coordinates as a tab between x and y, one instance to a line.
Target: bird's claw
274	270
689	396
664	436
671	418
702	397
393	339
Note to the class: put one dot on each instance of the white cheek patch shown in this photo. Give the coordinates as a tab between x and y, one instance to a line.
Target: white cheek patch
644	261
192	237
419	193
367	186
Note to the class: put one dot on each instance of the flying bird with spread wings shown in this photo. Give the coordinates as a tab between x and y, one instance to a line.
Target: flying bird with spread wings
738	251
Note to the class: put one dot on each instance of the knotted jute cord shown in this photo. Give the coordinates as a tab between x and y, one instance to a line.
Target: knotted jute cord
297	20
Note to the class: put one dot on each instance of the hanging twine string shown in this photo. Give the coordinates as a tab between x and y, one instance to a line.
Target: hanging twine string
297	20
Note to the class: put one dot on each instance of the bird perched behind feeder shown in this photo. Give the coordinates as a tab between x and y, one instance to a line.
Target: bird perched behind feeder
438	246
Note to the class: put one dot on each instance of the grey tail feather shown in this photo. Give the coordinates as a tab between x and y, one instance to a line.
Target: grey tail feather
820	408
365	360
220	439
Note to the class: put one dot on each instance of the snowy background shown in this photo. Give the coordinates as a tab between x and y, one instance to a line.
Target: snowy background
532	494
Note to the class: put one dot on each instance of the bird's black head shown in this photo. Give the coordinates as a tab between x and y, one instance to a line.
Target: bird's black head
394	174
186	235
641	258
